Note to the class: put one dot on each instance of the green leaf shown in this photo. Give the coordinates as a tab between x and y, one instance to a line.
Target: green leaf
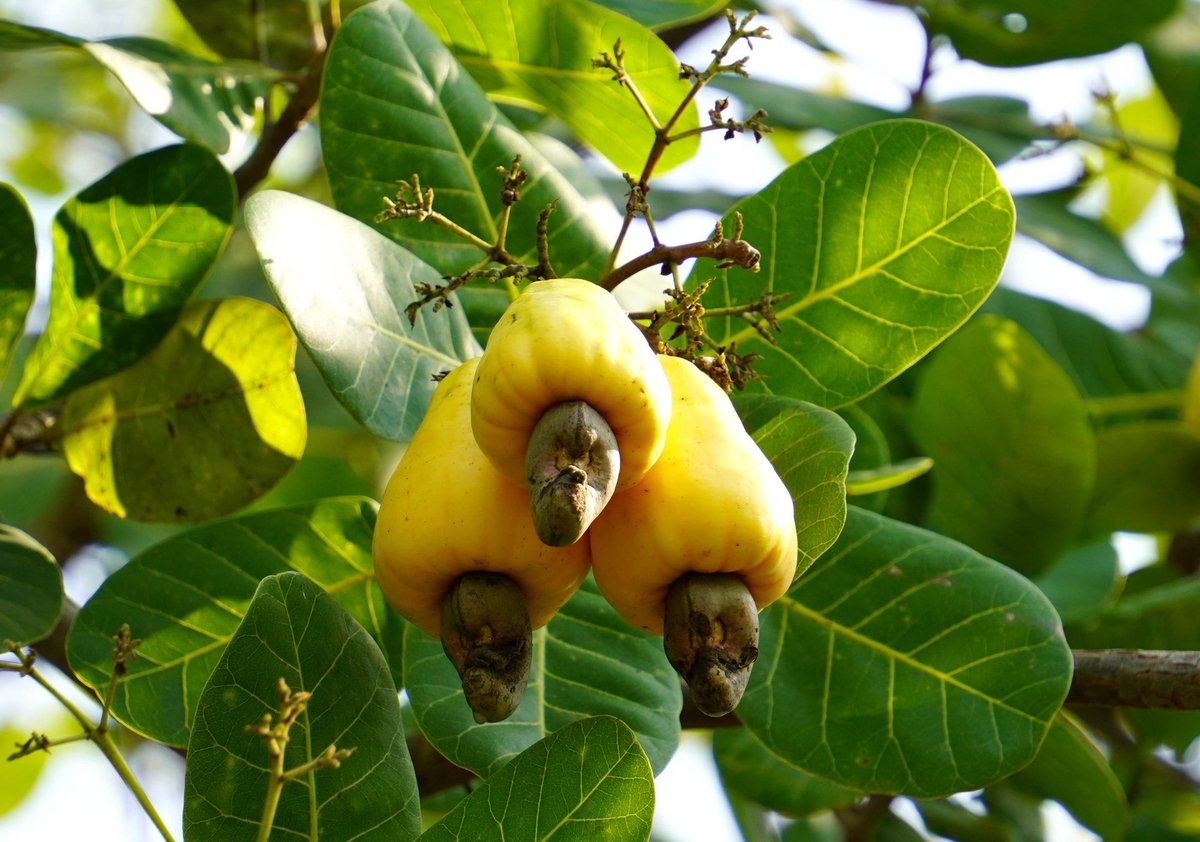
810	448
1173	52
1084	582
664	14
1011	442
998	125
747	768
906	663
185	596
1048	218
1147	478
345	288
586	662
887	477
886	241
294	631
18	252
1117	372
31	588
128	253
205	423
1023	32
1071	770
538	54
278	34
395	103
590	779
1157	611
201	100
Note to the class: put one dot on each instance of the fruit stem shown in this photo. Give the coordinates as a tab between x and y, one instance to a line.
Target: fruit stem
486	634
572	463
710	634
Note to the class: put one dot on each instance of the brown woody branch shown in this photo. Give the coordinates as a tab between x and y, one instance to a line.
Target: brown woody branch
1140	678
731	252
295	114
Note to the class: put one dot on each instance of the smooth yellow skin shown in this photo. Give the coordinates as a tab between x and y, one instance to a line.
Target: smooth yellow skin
446	511
712	503
564	340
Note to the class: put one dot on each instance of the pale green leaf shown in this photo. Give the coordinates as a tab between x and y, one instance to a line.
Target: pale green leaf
1072	770
903	662
204	424
885	242
810	448
746	767
395	103
185	597
586	662
1147	478
1023	32
294	631
887	477
588	780
345	288
199	99
31	588
1011	442
1083	582
18	252
1119	373
538	53
128	253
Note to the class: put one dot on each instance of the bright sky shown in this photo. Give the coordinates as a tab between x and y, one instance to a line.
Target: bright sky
883	45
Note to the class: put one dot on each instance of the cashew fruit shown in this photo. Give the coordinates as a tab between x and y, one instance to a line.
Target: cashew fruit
457	555
712	503
569	401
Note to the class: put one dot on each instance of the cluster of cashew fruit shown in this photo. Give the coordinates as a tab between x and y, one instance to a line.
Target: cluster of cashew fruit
570	444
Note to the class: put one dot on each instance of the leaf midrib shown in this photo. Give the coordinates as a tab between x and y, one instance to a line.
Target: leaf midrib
850	280
892	655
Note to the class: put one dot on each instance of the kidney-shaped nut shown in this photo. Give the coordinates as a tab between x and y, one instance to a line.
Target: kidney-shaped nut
450	528
563	368
704	539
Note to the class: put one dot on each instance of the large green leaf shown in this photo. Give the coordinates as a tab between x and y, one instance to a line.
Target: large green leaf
1147	478
906	663
31	588
586	662
752	771
1157	611
1071	770
1012	445
395	103
1020	32
185	597
294	631
538	53
18	253
588	780
201	100
345	288
810	448
1117	372
128	252
886	241
205	423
